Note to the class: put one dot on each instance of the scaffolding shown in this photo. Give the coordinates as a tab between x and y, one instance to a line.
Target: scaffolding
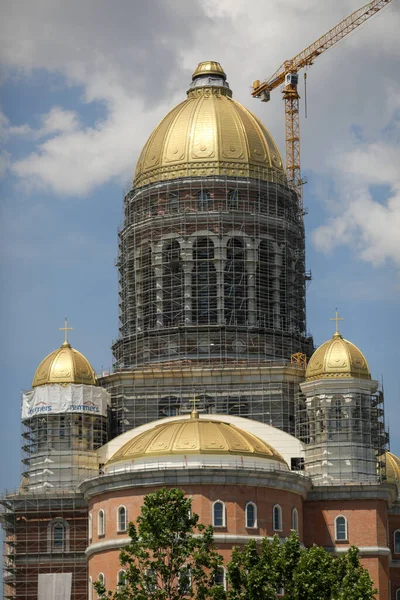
211	301
45	521
211	269
44	534
344	433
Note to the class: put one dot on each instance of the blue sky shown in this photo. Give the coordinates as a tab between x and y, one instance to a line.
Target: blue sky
82	87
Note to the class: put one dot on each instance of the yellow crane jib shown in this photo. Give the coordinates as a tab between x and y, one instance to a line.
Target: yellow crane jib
287	75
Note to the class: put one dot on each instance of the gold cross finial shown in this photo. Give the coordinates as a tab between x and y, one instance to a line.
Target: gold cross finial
65	329
337	319
194	414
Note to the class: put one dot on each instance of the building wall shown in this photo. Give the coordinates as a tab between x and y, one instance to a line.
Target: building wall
366	527
235	532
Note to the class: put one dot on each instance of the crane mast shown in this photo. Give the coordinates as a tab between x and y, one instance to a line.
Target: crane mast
287	74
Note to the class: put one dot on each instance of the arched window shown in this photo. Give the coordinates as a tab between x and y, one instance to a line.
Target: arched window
295	520
101	525
90	527
220	578
204	283
90	589
121	518
398	594
341	529
218	514
251	515
235	283
58	536
397	542
148	289
277	517
265	284
121	575
173	284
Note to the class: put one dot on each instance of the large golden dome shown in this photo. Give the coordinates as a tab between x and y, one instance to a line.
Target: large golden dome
195	436
337	358
64	365
209	134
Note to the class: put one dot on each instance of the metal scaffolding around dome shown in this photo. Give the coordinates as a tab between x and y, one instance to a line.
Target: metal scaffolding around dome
212	276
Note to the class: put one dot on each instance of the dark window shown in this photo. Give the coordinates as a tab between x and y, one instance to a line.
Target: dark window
58	536
173	284
297	463
277	518
218	514
204	283
235	283
148	289
397	541
250	515
122	518
340	529
266	284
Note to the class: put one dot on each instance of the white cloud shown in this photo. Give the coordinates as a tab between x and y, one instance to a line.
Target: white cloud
368	224
136	60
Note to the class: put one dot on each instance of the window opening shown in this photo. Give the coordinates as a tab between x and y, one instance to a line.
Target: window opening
218	514
340	529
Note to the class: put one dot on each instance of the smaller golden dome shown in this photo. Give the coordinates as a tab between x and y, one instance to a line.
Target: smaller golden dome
337	358
392	468
209	67
195	436
64	365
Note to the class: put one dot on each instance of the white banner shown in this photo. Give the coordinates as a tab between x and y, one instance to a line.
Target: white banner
54	586
54	399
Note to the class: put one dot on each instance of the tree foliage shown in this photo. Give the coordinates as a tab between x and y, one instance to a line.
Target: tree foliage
295	573
170	555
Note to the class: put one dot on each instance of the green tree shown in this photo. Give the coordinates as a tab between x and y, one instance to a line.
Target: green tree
170	555
297	573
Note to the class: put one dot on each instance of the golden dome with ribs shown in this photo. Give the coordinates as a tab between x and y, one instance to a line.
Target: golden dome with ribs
209	134
337	358
195	435
64	365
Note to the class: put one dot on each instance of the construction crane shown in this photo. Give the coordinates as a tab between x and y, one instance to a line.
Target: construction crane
287	74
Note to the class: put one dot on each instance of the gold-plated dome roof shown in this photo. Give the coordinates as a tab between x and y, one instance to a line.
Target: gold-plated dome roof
209	67
64	365
209	134
392	468
195	436
337	358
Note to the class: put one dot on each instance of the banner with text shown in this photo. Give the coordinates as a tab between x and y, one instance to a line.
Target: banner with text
54	399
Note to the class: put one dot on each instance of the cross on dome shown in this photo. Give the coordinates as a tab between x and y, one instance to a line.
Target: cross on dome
337	319
65	329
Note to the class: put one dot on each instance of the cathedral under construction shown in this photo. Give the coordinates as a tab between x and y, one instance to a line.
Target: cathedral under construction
216	385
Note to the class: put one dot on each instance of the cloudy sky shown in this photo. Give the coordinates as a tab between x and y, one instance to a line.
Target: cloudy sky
82	86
